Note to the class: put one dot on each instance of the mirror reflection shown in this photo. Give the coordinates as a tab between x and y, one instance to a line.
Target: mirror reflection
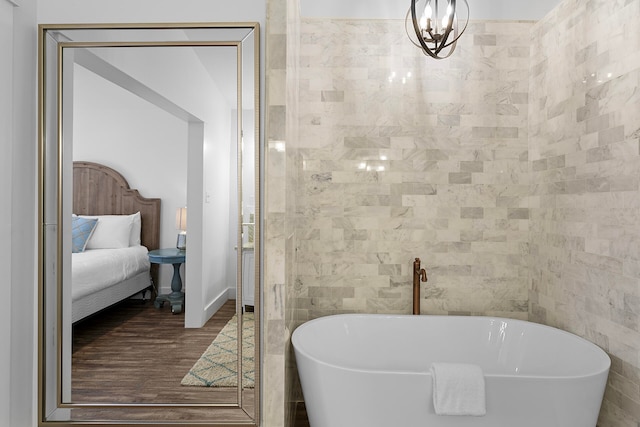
149	223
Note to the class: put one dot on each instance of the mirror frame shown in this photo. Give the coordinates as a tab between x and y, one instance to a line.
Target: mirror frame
50	224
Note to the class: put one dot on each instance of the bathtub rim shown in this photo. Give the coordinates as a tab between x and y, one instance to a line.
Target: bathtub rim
599	371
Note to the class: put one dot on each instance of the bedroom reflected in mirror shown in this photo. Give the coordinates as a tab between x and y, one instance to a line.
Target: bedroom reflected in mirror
138	125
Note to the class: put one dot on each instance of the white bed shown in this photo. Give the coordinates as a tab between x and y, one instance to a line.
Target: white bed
113	263
102	277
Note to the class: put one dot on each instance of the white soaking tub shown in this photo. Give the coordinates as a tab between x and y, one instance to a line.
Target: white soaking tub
374	370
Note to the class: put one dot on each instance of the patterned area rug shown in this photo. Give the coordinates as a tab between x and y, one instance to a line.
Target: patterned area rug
217	367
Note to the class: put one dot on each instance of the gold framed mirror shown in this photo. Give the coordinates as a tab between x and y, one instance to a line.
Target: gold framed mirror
138	125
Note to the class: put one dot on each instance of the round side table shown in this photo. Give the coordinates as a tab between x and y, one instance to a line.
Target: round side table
176	257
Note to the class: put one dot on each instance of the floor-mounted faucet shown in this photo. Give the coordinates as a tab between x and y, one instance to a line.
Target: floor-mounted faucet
419	274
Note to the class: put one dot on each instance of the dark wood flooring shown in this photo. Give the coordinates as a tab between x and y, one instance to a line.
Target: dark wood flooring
301	419
135	353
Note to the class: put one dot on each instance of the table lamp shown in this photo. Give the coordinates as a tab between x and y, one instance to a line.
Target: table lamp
181	225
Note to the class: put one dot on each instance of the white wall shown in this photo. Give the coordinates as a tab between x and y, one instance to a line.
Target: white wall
18	47
6	127
151	11
147	145
381	9
218	178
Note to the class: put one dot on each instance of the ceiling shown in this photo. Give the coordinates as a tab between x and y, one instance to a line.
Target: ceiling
397	9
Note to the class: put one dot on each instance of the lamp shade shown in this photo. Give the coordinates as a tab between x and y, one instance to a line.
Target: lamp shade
181	219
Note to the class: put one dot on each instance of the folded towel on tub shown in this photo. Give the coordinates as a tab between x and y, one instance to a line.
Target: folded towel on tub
458	389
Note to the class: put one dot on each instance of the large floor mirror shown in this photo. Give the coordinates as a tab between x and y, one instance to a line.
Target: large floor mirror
149	306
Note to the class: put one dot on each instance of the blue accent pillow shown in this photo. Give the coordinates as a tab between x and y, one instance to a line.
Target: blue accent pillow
81	230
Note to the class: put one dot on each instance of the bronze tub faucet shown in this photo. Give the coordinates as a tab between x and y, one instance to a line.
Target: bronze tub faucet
419	274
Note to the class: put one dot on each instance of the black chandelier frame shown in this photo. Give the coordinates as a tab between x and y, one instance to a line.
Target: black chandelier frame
440	41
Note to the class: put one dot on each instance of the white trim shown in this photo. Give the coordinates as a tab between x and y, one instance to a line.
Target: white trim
7	106
215	305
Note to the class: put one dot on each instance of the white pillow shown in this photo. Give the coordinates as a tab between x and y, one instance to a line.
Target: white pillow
136	230
111	232
136	226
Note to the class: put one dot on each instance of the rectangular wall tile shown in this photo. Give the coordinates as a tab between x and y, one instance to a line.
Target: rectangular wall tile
584	240
416	154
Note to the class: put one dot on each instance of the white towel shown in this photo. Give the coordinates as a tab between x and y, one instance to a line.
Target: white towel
458	389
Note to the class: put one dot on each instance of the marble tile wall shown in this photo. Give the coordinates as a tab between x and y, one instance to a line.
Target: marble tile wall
512	169
275	336
280	388
402	156
292	382
585	177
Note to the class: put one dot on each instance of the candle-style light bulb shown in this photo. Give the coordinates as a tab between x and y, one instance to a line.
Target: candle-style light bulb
436	27
428	11
445	19
425	20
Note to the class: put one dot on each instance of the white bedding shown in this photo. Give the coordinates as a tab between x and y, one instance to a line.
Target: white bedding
96	269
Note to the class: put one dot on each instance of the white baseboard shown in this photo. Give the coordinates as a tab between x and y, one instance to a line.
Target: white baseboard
218	302
213	306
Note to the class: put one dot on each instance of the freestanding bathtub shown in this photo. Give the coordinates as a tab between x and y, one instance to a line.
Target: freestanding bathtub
373	370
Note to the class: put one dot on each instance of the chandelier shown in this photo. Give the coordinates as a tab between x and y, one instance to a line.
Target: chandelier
436	29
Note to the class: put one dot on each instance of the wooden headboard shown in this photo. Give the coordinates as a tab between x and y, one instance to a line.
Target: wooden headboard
100	190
